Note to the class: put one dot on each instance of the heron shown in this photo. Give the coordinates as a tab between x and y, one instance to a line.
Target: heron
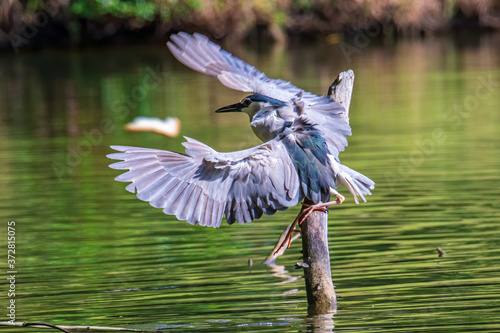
302	134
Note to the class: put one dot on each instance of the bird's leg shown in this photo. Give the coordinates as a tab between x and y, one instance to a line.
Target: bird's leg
319	206
304	214
288	238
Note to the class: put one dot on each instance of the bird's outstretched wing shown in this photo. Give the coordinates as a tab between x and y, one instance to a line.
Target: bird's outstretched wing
199	53
202	185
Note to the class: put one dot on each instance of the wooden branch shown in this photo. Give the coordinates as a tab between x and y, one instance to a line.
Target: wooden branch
341	90
321	296
318	277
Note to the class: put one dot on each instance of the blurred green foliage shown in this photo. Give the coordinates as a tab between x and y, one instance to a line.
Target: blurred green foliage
302	4
97	8
141	9
237	20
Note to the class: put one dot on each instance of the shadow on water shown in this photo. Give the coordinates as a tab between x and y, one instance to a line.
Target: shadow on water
426	129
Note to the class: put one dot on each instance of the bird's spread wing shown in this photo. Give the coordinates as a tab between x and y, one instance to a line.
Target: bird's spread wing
199	53
202	185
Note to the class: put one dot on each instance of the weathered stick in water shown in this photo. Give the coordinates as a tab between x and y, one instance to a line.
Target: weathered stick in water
318	277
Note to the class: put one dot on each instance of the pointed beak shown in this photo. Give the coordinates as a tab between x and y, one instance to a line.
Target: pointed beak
231	108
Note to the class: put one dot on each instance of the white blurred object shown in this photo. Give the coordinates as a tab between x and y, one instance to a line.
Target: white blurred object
169	126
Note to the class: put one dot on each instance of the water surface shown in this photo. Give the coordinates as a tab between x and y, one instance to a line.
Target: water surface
426	128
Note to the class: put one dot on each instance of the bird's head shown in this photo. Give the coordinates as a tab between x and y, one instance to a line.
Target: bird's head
252	104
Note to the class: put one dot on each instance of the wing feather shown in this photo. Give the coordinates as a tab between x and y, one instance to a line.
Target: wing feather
202	185
199	53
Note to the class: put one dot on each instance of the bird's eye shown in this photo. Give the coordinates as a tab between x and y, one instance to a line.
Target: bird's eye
246	101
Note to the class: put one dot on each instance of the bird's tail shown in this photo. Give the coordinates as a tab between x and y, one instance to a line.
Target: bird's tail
358	184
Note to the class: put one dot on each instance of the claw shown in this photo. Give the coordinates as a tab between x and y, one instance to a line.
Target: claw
340	197
304	214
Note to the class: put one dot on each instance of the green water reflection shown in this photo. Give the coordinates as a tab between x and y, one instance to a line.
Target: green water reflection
426	123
